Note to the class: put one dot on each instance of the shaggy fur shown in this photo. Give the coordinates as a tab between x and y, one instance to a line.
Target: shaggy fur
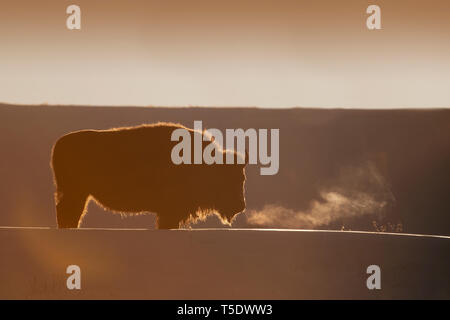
130	170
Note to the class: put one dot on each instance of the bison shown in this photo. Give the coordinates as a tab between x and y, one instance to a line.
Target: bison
129	170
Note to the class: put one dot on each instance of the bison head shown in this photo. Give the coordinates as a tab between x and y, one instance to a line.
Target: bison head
227	190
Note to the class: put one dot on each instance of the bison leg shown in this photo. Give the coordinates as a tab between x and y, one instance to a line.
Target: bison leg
69	209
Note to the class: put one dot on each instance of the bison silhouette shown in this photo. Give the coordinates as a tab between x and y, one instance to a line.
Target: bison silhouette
129	170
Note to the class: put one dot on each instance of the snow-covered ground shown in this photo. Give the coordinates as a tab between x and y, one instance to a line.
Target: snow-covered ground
221	264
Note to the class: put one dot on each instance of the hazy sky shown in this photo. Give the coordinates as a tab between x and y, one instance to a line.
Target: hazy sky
277	53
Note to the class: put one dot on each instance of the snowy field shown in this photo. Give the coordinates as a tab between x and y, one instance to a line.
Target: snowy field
221	264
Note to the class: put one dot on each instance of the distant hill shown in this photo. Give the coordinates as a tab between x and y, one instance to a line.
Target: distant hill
338	167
